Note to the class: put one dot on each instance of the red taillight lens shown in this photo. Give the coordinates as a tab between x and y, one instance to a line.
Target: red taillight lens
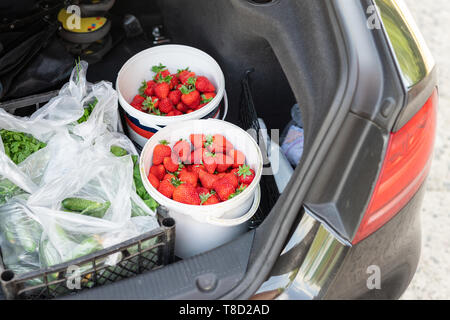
405	167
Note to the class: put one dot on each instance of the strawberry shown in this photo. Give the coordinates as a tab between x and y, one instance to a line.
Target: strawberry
197	156
171	113
221	175
199	107
165	105
223	162
197	140
138	100
161	72
202	190
209	199
207	97
170	165
153	180
189	177
182	107
218	143
136	106
191	99
209	161
175	97
184	75
207	179
162	90
190	111
166	188
158	171
196	168
186	193
150	105
182	149
238	157
230	178
177	113
235	171
170	177
161	151
223	189
150	89
204	85
174	81
246	175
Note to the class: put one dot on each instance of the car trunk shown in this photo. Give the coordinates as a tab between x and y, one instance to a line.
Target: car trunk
291	50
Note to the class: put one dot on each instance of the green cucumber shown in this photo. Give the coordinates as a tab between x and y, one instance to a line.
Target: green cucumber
86	207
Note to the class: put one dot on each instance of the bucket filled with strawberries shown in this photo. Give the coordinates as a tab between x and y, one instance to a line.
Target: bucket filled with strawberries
168	84
207	174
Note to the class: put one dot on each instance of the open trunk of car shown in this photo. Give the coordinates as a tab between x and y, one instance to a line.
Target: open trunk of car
283	52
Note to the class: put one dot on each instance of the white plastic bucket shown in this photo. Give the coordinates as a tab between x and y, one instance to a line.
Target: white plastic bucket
138	68
201	216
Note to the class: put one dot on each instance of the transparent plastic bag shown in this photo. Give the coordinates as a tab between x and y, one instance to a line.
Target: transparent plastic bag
20	236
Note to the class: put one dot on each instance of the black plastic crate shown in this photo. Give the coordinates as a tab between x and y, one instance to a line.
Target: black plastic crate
146	252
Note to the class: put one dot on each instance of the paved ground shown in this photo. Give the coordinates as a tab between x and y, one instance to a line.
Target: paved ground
432	280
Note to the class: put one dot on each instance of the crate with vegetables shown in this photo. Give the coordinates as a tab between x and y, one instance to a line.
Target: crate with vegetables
71	195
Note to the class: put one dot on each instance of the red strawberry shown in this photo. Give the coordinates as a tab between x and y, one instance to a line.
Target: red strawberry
246	175
165	105
223	162
174	82
170	165
169	177
238	157
197	156
191	99
209	161
153	180
209	199
231	178
171	113
166	188
136	106
189	177
218	143
207	179
175	96
184	76
158	171
138	100
182	149
161	151
235	171
196	168
224	189
221	175
150	91
177	113
202	190
204	85
182	107
190	111
187	194
197	140
199	107
162	90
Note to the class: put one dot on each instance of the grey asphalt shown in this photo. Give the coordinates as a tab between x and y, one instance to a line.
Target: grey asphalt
432	280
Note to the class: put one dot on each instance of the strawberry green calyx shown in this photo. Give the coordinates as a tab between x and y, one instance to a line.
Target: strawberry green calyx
244	171
158	68
164	142
189	86
181	70
176	182
167	79
204	197
143	88
149	105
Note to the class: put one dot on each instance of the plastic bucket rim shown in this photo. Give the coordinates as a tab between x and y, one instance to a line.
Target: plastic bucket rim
247	192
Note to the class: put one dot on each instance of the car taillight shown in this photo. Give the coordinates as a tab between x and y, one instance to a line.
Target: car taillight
404	169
